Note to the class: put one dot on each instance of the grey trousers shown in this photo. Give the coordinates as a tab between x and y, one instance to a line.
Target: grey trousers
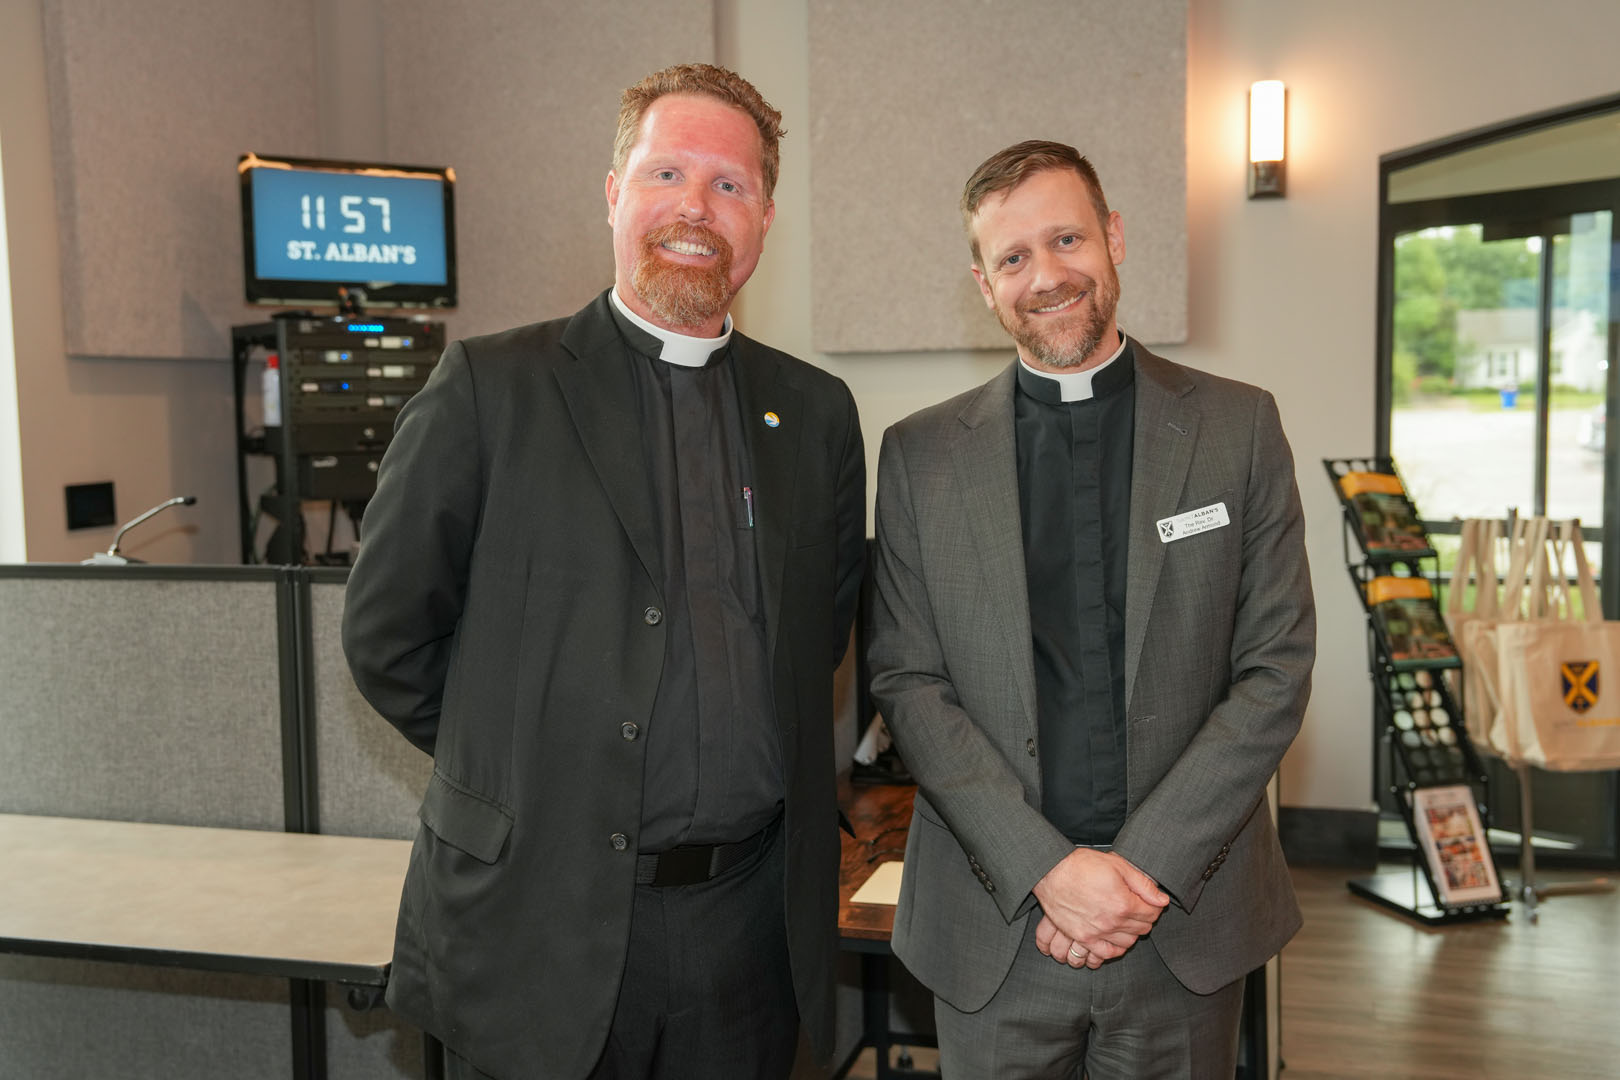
1128	1020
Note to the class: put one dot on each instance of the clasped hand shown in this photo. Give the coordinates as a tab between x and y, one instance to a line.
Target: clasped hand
1094	906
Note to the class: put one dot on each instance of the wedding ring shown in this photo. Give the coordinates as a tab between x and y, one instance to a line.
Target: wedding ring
1076	952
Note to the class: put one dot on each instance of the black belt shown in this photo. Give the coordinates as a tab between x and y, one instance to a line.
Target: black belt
693	864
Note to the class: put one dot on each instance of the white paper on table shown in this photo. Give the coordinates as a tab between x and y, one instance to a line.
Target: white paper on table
883	887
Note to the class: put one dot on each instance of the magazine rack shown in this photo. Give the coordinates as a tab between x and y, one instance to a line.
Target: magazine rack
1435	775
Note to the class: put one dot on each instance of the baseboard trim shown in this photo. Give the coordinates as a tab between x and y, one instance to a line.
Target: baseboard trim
1321	836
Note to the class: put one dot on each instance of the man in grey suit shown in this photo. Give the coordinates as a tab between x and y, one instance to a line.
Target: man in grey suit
1092	639
610	567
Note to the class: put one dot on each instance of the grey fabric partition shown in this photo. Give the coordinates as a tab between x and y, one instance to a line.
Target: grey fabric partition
141	698
368	779
145	695
158	694
368	782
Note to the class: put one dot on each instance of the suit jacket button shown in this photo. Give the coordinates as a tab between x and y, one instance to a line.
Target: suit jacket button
629	731
619	841
1030	746
652	616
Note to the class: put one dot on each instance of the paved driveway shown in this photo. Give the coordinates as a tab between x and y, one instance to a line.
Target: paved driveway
1462	463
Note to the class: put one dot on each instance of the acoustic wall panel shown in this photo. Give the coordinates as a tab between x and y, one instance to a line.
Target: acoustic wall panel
522	102
150	105
909	96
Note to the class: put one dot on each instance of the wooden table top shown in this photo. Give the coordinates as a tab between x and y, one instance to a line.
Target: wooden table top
881	815
297	905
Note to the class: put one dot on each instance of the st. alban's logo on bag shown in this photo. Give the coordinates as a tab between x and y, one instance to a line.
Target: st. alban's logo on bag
1580	679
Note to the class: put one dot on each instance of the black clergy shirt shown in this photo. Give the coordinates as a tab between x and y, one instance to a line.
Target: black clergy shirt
713	769
1074	495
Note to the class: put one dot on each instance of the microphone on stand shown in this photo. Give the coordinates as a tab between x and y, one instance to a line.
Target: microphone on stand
111	557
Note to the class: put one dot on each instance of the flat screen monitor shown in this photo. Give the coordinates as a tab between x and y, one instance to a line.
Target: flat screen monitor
311	228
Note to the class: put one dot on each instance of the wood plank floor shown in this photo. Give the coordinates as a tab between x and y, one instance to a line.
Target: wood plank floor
1366	993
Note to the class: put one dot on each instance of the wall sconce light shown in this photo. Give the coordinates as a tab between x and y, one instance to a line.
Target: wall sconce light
1268	112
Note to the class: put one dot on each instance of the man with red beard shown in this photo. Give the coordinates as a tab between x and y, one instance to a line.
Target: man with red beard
1092	640
610	567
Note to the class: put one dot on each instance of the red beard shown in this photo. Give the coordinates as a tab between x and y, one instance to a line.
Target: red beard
683	296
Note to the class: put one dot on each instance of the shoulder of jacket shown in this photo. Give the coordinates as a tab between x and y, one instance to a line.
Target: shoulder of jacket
800	373
1180	378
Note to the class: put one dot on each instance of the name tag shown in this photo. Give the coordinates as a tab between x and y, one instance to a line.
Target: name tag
1193	522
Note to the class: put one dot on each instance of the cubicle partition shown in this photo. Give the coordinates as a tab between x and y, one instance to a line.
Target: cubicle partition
366	781
212	696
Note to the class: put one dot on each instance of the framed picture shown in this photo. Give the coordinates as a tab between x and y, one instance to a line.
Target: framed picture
1454	842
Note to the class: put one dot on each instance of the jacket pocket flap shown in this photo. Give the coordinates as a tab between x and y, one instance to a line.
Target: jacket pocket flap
467	821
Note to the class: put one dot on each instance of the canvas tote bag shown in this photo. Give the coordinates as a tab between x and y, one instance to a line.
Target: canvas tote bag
1477	639
1477	566
1552	672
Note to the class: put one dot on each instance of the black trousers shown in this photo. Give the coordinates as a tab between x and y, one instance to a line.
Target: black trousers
707	992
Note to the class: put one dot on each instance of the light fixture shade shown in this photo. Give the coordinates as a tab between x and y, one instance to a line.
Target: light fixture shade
1268	111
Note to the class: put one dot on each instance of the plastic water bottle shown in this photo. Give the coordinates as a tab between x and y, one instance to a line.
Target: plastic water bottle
272	391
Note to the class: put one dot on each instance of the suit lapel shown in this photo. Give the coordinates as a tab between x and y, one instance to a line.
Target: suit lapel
1166	433
986	462
599	388
774	454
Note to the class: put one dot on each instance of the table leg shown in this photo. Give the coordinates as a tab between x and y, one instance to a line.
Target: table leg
875	1008
308	1000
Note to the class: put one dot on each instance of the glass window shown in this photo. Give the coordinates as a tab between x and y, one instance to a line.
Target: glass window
1497	353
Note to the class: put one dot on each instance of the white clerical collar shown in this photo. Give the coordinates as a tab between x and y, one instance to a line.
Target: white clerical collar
1076	385
682	349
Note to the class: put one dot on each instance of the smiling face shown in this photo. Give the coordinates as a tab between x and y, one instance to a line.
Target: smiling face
689	213
1046	268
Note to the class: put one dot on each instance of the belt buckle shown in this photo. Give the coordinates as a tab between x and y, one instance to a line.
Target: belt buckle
684	865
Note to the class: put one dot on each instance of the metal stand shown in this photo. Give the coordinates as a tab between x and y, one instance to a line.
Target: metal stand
1531	894
1410	761
1409	894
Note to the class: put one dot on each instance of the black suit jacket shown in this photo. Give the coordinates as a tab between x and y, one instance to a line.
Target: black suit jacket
505	614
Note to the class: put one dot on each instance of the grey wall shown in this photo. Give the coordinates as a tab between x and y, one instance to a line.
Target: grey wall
908	96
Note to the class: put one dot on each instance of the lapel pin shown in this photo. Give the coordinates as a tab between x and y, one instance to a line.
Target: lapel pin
772	420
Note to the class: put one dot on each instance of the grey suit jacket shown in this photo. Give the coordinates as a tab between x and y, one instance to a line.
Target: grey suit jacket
1219	643
503	614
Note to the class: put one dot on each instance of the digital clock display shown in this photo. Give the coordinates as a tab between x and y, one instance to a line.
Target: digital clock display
311	226
348	227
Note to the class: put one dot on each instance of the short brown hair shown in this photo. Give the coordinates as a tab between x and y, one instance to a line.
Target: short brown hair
708	81
1006	169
